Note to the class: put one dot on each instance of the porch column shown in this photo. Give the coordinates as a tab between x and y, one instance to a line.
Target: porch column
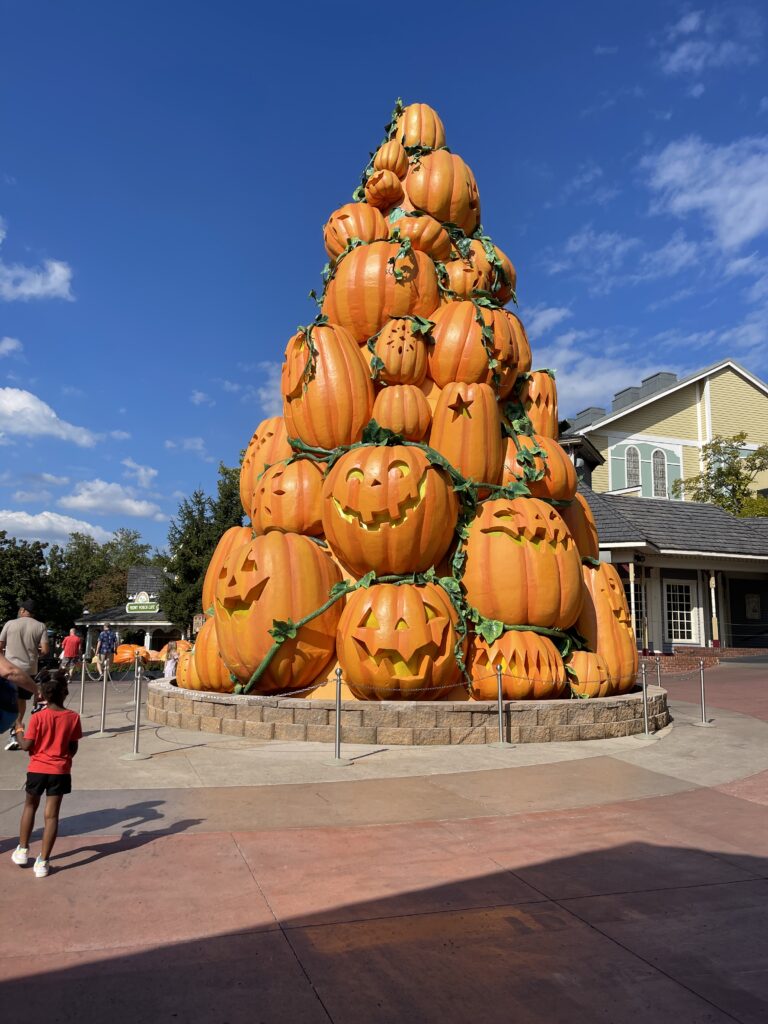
148	639
713	601
632	598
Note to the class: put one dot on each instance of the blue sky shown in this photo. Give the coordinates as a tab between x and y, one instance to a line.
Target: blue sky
166	168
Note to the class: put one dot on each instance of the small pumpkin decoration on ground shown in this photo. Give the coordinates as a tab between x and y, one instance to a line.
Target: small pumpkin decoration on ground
589	675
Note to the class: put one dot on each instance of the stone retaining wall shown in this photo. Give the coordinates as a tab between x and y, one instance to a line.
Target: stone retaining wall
410	723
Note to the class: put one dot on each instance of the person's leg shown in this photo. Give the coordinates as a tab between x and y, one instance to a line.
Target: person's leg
28	820
20	713
51	830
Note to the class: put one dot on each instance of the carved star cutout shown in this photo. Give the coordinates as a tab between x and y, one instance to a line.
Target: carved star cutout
460	407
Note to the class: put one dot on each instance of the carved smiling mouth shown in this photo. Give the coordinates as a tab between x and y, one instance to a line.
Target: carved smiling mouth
406	669
378	519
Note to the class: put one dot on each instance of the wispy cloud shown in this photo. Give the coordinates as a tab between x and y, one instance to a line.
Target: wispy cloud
48	526
604	51
109	499
120	435
143	475
586	187
51	280
31	497
10	347
265	392
608	99
23	414
201	398
699	41
540	319
193	445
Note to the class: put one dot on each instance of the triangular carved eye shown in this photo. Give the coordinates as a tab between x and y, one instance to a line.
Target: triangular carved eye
370	621
401	625
355	474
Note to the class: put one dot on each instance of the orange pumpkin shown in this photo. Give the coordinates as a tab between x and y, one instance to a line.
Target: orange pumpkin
522	566
504	280
403	352
531	667
374	283
383	190
268	445
391	156
289	497
232	538
186	673
559	481
590	674
463	279
327	394
210	670
474	271
524	355
432	393
426	234
606	625
580	521
458	353
397	643
442	185
466	429
353	220
419	125
277	577
403	409
388	509
539	397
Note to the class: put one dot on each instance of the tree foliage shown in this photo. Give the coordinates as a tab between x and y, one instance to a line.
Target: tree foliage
728	474
23	576
192	537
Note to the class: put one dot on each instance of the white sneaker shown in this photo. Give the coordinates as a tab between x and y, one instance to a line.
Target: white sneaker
13	743
41	868
20	856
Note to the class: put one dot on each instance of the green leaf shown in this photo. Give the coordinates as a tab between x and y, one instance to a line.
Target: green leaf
283	630
489	629
365	581
376	434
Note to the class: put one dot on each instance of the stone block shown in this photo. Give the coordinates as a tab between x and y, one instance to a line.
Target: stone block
520	715
223	710
379	715
535	734
160	716
272	714
563	733
453	719
432	737
351	717
358	734
210	724
468	734
190	721
418	718
482	718
395	736
232	726
552	714
310	716
259	730
321	734
615	729
202	708
290	731
582	712
592	732
249	712
174	719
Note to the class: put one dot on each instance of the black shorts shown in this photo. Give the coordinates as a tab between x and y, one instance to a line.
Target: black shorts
24	694
52	785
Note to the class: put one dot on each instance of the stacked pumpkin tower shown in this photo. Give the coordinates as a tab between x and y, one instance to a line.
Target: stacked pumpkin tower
414	520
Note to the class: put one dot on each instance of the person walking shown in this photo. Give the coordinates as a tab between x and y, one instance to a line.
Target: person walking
106	646
51	738
11	678
171	660
71	649
22	641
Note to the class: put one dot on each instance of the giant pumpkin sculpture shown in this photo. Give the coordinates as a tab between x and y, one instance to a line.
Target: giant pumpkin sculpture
412	504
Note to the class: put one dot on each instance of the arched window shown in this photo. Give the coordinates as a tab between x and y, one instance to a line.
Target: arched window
632	456
659	461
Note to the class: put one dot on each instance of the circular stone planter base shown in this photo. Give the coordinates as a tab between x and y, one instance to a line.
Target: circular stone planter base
407	723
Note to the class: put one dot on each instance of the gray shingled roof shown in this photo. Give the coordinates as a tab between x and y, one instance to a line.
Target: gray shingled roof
674	525
144	577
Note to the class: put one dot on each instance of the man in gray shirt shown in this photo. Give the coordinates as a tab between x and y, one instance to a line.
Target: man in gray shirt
22	640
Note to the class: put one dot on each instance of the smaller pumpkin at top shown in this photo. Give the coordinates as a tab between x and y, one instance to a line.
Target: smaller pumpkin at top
353	220
556	473
402	347
391	156
383	190
418	124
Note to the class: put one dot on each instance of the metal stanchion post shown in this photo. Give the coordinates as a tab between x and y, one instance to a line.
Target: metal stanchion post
500	709
646	730
135	755
82	685
658	670
102	734
704	720
338	759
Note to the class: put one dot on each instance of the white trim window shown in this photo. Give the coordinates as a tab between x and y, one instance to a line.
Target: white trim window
632	456
659	466
680	619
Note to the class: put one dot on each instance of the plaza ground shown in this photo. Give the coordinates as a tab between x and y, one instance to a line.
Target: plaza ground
225	880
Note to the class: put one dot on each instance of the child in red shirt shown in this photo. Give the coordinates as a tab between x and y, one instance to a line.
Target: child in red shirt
51	738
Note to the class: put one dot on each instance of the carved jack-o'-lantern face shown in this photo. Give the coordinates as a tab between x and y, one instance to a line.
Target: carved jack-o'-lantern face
606	625
268	445
403	352
289	497
395	641
388	509
531	667
241	582
522	565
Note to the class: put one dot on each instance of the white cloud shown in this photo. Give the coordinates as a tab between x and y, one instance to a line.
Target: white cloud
730	36
120	435
47	526
696	91
54	481
71	392
26	415
25	497
50	281
604	51
201	398
675	255
541	318
109	499
144	475
8	346
195	445
267	392
728	185
229	385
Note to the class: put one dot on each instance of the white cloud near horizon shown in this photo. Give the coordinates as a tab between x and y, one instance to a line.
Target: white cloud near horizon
143	475
23	414
52	280
25	497
48	526
9	346
109	499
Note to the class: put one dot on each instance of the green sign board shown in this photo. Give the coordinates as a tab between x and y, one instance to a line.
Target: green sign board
142	606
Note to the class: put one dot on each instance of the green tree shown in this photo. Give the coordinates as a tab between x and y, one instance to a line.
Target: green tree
23	576
192	538
728	475
756	505
124	549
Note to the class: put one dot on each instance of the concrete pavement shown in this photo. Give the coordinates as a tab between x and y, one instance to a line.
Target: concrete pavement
227	880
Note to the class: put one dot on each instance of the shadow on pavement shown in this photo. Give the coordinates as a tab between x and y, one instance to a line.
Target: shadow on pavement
133	816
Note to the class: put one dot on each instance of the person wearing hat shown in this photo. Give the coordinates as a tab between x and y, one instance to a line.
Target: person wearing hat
22	641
